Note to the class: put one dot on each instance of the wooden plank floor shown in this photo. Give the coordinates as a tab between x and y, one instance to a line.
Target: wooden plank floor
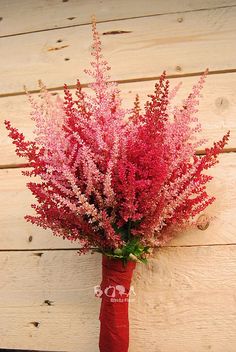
185	297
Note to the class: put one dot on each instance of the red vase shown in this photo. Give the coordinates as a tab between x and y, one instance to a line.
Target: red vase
114	318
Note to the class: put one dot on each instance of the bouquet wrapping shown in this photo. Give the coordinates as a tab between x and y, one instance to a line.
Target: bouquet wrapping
115	286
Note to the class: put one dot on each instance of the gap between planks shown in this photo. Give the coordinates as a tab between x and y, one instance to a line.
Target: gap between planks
41	250
118	19
124	81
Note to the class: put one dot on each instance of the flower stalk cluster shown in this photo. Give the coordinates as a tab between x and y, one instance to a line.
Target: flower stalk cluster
116	180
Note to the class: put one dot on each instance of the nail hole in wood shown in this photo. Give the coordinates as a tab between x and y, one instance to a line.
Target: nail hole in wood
67	59
71	18
65	0
35	323
180	19
39	254
30	238
178	68
59	40
1	18
48	302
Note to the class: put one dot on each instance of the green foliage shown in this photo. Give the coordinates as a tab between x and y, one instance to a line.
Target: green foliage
132	250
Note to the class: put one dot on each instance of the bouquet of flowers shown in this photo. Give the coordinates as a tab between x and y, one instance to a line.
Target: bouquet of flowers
119	181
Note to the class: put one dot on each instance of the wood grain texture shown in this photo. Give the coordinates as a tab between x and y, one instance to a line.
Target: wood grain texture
184	297
149	46
185	301
15	200
28	16
15	232
217	110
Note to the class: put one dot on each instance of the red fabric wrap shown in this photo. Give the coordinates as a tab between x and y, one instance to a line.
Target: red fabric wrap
114	319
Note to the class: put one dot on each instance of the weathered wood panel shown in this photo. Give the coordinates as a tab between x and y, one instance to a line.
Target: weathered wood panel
149	46
217	109
43	15
186	301
184	297
15	202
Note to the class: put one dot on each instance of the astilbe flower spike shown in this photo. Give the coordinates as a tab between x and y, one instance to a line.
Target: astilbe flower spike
109	181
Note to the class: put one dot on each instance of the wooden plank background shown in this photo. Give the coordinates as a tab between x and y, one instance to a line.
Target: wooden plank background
186	296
